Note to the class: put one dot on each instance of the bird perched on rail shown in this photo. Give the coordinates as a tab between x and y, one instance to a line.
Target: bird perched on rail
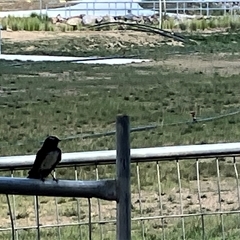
46	160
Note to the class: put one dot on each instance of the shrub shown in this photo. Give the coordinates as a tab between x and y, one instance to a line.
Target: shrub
234	25
193	26
38	22
203	24
212	23
183	26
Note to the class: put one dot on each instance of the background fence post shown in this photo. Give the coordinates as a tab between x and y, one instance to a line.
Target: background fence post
123	163
0	39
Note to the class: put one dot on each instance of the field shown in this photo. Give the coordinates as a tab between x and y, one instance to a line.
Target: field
66	99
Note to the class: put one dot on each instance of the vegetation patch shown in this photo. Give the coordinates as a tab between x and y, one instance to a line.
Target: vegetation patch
63	99
44	23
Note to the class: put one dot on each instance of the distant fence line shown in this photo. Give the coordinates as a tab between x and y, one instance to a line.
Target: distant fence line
150	126
116	8
157	157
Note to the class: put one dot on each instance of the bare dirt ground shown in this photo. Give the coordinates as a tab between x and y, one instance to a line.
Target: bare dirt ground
198	64
150	202
135	37
220	63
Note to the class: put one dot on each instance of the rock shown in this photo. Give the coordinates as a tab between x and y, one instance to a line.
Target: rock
121	27
108	18
54	20
89	20
129	15
82	15
204	196
60	19
99	19
155	16
136	19
141	20
119	18
74	21
9	29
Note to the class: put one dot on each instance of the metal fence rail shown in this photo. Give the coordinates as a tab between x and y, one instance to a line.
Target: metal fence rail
137	155
120	8
112	190
188	191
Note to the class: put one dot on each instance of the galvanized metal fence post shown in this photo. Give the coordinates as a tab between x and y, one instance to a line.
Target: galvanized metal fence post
40	7
123	163
0	39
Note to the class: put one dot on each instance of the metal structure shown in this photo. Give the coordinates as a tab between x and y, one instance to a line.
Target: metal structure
116	8
137	155
0	39
121	8
112	190
104	189
157	203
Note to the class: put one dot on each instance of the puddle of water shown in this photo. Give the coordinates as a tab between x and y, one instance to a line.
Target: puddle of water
84	60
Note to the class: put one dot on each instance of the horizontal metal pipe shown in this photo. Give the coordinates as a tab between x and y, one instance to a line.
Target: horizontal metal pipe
103	189
137	155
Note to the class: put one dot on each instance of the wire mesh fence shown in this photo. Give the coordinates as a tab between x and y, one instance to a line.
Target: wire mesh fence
196	198
121	7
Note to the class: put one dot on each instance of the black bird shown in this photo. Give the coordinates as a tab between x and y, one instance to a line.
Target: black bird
46	160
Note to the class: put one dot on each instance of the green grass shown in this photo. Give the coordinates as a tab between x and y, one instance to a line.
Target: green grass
73	99
66	99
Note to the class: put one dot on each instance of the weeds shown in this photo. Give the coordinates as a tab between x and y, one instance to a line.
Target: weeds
32	23
43	23
193	26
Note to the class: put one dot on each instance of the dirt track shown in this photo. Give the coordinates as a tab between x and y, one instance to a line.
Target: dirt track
135	37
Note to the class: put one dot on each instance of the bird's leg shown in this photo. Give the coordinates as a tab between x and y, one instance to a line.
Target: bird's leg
42	178
54	179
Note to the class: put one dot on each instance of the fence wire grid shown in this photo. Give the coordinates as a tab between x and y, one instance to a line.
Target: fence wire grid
196	198
144	7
